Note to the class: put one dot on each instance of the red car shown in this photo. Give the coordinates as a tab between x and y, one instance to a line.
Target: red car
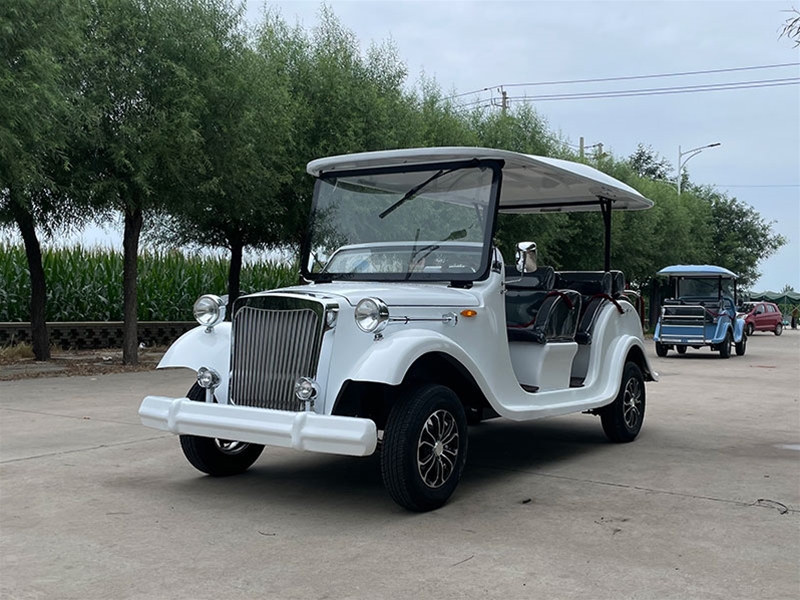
762	316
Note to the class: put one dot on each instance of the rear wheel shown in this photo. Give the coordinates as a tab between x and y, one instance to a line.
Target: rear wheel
424	447
661	349
779	329
725	346
622	419
218	458
741	346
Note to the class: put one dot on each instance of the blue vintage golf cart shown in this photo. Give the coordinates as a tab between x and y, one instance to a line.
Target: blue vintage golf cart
701	311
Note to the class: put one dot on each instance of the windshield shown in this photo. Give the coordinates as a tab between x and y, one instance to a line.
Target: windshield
702	288
432	224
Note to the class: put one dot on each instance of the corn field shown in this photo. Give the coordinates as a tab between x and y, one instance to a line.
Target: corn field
85	284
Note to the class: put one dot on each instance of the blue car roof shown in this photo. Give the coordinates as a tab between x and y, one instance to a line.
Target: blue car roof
696	271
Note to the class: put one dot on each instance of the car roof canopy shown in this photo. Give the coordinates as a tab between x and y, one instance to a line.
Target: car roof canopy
531	184
697	271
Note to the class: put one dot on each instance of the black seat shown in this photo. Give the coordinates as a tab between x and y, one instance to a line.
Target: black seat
535	312
556	320
617	284
542	278
595	288
525	293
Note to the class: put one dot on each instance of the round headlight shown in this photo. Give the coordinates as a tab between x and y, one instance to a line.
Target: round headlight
371	315
209	310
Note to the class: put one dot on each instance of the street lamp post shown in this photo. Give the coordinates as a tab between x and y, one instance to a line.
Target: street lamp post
689	154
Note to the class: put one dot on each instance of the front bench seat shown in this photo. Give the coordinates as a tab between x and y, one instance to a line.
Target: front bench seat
544	316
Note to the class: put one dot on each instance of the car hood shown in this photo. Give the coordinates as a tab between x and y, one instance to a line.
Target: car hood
404	294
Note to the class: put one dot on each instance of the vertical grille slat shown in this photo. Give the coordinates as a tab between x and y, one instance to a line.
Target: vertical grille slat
272	348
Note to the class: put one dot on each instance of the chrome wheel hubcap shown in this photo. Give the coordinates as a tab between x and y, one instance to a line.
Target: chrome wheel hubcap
632	403
230	446
437	449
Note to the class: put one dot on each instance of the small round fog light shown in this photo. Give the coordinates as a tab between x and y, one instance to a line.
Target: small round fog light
207	378
305	389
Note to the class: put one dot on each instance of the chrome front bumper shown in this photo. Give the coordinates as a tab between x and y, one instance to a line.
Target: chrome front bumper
299	430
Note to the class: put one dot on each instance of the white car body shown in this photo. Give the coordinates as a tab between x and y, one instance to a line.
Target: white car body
457	330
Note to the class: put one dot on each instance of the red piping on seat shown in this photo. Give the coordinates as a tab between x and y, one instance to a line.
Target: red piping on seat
607	297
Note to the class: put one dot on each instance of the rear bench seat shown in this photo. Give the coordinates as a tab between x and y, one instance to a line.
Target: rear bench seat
596	289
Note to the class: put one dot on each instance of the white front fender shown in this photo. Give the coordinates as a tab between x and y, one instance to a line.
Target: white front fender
388	360
197	348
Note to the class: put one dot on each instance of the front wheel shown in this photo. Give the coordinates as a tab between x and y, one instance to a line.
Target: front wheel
750	329
424	447
741	346
779	329
661	349
725	346
218	458
680	349
622	419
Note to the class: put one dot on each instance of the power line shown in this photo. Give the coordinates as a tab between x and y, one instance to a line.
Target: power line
739	85
628	77
770	185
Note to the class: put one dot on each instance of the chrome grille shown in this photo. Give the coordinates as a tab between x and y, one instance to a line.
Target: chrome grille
271	349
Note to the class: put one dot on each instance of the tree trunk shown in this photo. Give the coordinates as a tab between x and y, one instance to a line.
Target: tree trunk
235	273
130	261
38	304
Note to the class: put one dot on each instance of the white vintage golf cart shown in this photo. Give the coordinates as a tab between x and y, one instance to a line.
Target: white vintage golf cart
411	326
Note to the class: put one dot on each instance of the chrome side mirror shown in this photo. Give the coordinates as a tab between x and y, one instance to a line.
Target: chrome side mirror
527	261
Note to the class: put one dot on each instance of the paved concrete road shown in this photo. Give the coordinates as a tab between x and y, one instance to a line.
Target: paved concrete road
705	504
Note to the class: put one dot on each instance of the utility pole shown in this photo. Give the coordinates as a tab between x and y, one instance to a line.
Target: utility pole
581	148
505	101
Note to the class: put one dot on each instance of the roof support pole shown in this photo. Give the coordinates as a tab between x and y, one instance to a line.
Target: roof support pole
605	209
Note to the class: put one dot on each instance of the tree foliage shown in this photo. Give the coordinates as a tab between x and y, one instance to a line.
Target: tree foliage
791	27
38	41
646	162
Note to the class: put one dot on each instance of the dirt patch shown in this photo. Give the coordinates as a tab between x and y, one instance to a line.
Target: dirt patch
76	362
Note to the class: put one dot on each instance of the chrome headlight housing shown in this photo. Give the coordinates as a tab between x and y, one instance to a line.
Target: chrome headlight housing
209	310
371	315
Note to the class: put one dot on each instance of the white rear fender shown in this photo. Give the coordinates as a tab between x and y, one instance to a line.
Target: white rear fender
197	348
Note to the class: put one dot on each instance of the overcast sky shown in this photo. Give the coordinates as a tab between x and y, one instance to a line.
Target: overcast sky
470	46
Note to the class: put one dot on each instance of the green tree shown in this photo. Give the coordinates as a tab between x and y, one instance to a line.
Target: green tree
740	237
38	41
245	146
141	69
646	162
342	101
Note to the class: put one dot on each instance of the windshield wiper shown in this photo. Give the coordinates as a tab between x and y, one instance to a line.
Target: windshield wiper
417	188
410	194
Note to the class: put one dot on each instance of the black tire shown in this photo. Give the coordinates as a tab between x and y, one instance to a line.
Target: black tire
661	349
424	447
622	419
218	458
779	329
680	349
749	329
741	347
725	346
